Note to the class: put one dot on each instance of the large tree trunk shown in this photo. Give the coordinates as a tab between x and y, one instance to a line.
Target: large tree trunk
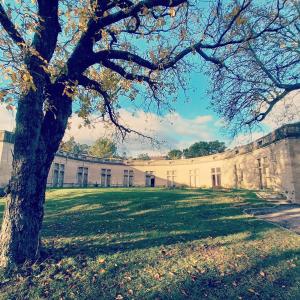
23	214
37	138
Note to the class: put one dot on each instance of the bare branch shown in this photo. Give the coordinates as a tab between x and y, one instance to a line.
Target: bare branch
262	115
10	28
287	87
129	76
161	65
94	85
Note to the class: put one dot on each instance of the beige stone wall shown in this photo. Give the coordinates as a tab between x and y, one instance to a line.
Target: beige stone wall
238	170
272	162
294	145
5	162
94	171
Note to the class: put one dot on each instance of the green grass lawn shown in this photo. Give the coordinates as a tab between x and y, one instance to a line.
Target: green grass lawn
158	244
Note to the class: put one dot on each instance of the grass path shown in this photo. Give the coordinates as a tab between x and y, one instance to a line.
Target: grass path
158	244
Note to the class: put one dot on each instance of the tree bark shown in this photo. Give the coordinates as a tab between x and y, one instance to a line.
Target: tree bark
37	138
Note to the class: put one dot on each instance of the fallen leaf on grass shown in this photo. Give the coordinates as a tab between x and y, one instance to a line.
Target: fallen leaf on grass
130	292
127	278
261	273
253	292
101	260
184	292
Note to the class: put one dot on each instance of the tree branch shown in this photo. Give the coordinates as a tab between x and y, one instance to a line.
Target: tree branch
129	76
85	44
162	65
94	85
45	39
286	87
262	115
10	28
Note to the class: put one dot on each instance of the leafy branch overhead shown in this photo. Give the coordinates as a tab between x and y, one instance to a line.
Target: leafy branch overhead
101	52
262	73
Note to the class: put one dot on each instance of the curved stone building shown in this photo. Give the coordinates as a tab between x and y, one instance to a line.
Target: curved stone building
271	162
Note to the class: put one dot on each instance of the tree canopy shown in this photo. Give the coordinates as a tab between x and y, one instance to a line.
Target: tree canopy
143	156
103	148
72	146
174	154
261	73
204	148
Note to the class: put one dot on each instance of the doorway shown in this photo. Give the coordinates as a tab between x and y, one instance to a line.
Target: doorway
152	181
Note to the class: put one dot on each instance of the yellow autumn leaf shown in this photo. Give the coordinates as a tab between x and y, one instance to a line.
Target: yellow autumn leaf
104	34
2	94
172	12
241	20
145	10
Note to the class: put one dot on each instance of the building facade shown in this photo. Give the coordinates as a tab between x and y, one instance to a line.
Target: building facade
271	162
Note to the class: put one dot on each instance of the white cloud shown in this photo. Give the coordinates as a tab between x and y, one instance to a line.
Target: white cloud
172	130
203	119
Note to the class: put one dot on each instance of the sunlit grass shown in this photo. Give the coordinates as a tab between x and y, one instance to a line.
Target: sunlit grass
158	244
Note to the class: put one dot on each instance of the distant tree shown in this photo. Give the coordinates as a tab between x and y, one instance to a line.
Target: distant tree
143	156
72	146
216	147
68	145
103	148
174	154
81	149
197	149
204	148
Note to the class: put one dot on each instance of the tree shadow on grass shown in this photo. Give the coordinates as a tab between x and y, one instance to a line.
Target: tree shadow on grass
259	281
265	277
125	220
170	227
2	204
